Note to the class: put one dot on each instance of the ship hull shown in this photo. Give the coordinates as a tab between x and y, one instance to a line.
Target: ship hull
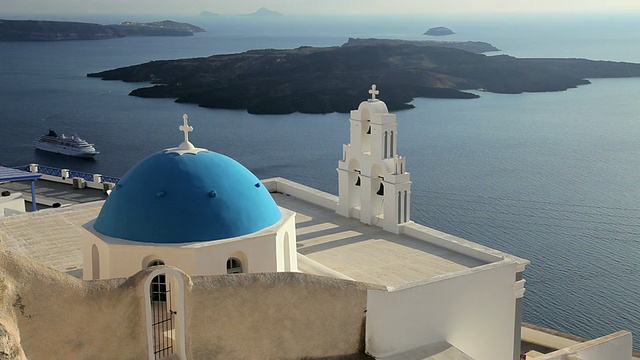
67	152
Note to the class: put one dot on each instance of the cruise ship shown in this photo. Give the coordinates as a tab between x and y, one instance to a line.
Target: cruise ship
67	145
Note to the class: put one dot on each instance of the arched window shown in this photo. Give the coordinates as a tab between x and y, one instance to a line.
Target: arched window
386	144
287	252
391	146
234	266
399	207
158	284
95	262
156	262
406	205
365	131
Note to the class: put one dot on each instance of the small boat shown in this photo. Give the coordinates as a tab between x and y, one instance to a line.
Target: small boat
67	145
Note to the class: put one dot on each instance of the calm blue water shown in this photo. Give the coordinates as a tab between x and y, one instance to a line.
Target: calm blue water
551	177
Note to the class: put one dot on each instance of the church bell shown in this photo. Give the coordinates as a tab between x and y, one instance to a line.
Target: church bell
380	190
358	181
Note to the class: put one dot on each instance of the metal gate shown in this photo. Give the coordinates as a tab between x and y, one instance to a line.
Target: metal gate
163	314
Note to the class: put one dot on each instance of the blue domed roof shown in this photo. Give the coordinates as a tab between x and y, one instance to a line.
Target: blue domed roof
177	198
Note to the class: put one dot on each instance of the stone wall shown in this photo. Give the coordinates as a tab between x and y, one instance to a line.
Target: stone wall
60	317
46	314
275	316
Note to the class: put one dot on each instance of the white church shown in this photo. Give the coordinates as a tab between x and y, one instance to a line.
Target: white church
193	257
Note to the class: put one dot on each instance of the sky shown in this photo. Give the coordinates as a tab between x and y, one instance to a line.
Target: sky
318	7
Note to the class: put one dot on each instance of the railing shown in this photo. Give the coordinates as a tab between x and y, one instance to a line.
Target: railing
77	174
47	170
110	179
23	167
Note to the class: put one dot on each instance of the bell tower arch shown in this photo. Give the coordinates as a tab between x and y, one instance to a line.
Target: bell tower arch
373	183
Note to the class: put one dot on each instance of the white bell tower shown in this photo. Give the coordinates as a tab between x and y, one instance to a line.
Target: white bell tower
373	184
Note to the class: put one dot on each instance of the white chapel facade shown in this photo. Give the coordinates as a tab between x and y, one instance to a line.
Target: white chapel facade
192	209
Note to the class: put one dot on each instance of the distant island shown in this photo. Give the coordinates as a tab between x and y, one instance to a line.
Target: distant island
158	28
40	30
439	31
208	14
265	13
331	79
477	47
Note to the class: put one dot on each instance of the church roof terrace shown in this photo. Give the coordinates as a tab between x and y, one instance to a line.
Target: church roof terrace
368	253
356	250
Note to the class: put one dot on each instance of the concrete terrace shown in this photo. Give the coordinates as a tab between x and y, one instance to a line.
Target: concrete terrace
367	253
361	252
50	192
51	237
358	251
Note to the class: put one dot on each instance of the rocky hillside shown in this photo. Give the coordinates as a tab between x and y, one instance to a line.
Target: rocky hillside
157	28
478	47
36	30
324	80
39	30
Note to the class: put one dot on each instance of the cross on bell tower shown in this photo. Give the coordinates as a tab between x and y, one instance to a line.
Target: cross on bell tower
373	93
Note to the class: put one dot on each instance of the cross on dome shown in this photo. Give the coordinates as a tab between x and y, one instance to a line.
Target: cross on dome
186	147
185	128
373	93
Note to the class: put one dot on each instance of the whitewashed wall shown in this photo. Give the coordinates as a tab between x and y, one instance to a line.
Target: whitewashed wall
616	346
258	252
301	192
473	310
12	204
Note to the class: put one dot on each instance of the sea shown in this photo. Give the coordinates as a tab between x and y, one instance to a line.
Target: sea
550	177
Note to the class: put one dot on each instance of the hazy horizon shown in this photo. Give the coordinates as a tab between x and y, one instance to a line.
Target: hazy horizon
327	7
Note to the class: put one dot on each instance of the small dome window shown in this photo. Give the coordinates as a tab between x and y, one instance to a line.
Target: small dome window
156	262
234	266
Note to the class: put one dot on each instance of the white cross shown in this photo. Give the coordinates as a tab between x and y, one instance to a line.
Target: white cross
186	147
185	128
373	92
